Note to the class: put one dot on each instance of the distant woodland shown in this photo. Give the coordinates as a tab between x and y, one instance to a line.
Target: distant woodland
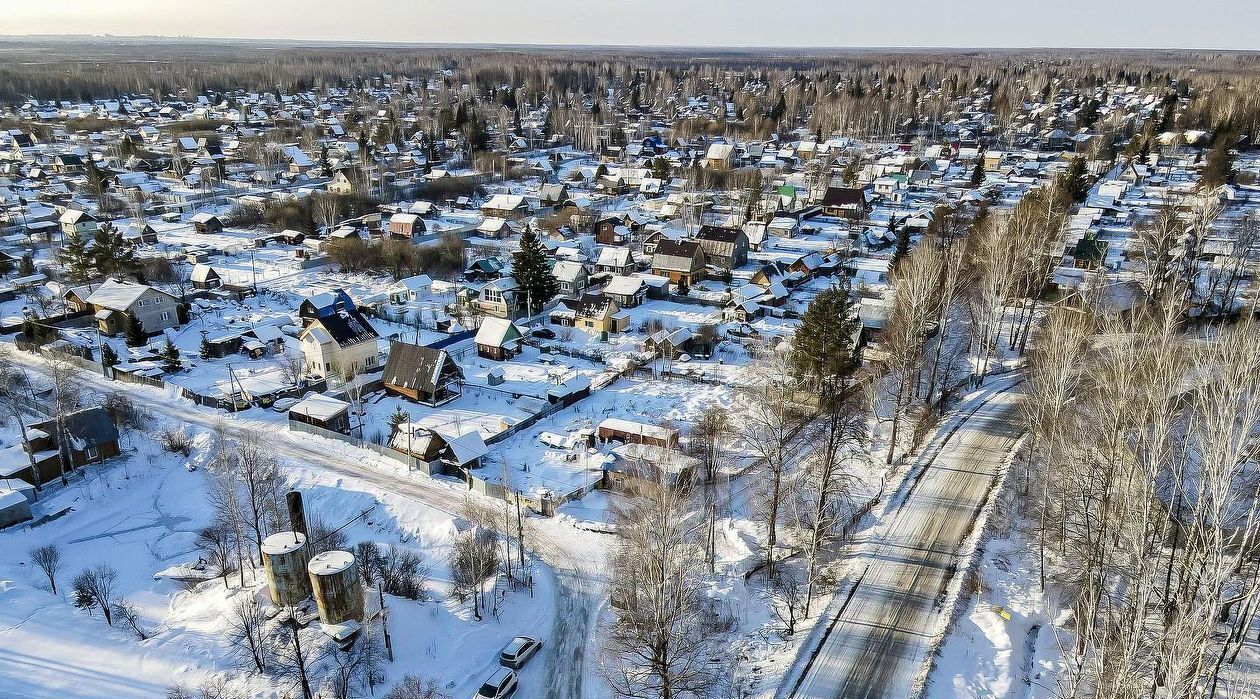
860	91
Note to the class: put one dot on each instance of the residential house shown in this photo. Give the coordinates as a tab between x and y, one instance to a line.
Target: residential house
346	181
636	466
674	343
441	453
76	222
846	202
682	261
411	289
724	247
89	436
422	374
498	339
207	223
337	340
512	207
593	313
626	292
324	412
501	298
497	228
614	261
613	230
720	156
406	226
114	301
552	195
571	277
204	276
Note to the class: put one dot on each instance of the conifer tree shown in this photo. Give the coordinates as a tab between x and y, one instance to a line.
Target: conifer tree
1219	166
532	272
170	356
822	351
111	254
133	331
75	257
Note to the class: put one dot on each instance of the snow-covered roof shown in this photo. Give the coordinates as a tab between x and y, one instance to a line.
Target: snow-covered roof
319	407
117	295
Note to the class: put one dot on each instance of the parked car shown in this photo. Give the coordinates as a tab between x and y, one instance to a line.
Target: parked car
283	405
519	651
500	685
544	333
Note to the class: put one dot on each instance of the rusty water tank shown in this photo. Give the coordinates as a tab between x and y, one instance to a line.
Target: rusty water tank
285	557
338	592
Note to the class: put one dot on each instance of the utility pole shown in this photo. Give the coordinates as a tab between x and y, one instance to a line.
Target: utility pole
520	535
507	522
389	645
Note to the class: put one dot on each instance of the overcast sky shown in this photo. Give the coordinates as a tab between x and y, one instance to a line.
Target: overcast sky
1227	24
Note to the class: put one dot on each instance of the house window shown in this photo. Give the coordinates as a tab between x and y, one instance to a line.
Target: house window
370	361
92	452
166	316
140	303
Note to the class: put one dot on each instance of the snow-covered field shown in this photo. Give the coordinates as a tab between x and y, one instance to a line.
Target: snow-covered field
139	513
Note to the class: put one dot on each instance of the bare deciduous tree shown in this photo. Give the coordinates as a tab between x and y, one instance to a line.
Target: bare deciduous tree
48	559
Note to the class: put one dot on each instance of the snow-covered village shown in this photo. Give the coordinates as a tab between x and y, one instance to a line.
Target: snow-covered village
346	371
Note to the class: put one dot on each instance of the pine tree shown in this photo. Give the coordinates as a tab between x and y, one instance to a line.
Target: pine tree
822	351
532	273
133	331
26	266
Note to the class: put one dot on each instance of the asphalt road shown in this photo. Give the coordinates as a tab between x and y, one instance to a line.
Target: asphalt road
877	643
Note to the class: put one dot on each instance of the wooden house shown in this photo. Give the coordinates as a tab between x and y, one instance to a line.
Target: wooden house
422	374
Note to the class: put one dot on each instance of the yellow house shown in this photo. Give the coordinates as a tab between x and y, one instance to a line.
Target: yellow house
593	313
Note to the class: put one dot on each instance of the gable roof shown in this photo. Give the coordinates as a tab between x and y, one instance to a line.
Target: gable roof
719	234
678	248
90	427
119	296
844	196
416	366
497	332
347	327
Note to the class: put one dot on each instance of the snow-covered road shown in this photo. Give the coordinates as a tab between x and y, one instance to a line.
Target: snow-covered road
884	617
574	554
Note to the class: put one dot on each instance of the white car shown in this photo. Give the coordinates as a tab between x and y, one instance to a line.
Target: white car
500	685
518	652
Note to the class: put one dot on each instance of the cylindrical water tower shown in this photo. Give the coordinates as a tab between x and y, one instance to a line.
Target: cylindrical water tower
338	592
284	558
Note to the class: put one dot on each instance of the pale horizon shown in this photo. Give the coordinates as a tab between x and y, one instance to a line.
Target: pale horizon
696	23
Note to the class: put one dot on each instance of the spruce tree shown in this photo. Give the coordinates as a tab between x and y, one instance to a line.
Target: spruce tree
170	355
532	272
111	254
76	258
133	331
1219	167
822	351
108	356
977	175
